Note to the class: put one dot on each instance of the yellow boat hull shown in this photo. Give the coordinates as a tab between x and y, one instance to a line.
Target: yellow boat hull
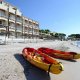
54	68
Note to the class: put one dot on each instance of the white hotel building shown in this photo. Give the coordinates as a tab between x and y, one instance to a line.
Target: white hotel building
13	23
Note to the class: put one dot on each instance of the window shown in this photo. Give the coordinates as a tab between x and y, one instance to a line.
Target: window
18	19
12	17
2	13
0	22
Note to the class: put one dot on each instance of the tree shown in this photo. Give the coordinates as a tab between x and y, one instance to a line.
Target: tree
56	35
42	31
51	34
74	36
47	31
60	36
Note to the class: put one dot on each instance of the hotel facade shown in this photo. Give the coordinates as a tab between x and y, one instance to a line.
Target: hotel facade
14	24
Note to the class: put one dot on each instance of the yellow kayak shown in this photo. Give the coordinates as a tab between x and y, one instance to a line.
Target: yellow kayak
39	61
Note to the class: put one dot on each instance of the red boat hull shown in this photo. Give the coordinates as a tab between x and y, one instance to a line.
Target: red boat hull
59	54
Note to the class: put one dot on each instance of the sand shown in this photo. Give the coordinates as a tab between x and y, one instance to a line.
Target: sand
14	67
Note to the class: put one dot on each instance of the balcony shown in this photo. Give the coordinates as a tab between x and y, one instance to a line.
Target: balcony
12	30
26	24
18	21
36	33
11	21
3	7
3	17
2	28
12	27
35	26
30	32
19	29
12	17
26	32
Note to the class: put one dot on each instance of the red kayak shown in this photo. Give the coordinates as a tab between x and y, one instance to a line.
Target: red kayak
59	54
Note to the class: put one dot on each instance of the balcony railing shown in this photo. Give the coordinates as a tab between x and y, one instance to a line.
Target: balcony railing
4	16
26	31
18	20
2	26
11	27
26	24
11	18
19	29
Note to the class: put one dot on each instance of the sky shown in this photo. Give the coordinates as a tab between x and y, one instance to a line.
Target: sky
62	16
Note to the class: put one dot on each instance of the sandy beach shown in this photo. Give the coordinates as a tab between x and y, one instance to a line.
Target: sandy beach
14	67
